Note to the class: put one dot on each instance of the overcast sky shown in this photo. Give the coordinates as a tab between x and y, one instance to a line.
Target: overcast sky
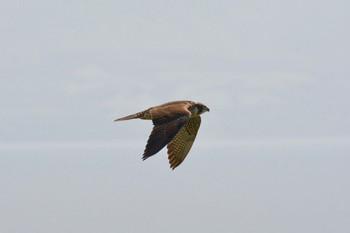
272	155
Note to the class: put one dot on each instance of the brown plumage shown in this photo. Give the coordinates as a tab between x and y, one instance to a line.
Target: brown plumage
176	125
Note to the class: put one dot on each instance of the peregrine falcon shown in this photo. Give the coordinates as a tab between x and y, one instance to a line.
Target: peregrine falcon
176	125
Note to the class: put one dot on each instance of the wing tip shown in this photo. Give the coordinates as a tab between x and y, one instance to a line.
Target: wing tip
172	167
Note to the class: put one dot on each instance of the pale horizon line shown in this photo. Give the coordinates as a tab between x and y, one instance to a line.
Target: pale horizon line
222	142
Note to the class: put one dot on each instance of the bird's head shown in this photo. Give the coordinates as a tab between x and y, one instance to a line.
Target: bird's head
200	108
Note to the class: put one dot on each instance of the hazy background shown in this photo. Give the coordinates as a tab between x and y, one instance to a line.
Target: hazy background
273	155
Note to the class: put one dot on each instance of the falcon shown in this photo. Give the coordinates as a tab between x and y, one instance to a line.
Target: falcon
176	125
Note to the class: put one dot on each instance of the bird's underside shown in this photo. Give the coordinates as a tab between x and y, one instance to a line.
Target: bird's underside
175	125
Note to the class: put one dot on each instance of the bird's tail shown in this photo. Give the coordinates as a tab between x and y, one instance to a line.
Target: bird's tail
142	115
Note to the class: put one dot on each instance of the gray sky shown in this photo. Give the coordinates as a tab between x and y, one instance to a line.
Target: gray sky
271	156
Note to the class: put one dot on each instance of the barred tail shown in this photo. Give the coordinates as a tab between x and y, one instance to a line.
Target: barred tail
141	115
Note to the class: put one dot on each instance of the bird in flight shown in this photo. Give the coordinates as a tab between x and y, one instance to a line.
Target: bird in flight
176	125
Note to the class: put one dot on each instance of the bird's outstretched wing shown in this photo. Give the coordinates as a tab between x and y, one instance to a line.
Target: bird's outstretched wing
182	142
167	123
